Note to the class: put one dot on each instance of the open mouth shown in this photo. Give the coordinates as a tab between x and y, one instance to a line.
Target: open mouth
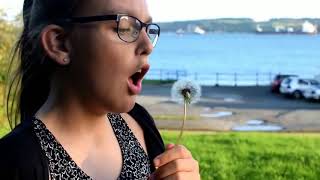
135	81
138	76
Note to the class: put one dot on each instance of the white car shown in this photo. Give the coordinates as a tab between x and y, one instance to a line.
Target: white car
296	87
312	93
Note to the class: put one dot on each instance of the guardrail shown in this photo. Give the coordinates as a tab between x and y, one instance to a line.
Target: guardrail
214	78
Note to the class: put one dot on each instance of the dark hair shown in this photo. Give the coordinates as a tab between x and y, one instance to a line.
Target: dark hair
30	70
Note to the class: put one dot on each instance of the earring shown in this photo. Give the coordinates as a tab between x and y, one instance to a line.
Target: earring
65	60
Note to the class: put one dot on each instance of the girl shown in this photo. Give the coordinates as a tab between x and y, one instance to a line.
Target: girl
82	64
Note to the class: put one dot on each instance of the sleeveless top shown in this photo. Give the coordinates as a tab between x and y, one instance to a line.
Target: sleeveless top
135	162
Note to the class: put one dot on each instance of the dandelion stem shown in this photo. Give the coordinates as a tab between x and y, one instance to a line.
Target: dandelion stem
183	122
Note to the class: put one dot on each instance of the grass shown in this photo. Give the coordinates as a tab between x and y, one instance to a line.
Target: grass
250	156
254	156
157	82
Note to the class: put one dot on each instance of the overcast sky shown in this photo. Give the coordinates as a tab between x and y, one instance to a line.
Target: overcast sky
175	10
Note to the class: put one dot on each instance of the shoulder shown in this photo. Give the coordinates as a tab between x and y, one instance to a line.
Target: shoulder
17	142
141	114
153	139
20	153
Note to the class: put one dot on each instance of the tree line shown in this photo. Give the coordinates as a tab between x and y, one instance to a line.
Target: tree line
237	25
9	31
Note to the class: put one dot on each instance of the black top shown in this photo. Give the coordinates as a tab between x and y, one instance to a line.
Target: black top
22	157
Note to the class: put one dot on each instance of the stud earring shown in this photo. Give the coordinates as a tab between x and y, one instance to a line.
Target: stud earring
65	60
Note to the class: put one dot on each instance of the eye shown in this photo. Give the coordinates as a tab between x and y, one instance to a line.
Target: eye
125	30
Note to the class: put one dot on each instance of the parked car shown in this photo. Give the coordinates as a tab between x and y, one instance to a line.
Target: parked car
312	93
295	87
275	85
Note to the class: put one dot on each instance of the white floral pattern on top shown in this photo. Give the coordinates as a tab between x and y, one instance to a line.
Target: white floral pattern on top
135	162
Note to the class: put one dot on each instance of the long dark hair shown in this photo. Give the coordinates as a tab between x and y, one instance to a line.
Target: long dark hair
30	70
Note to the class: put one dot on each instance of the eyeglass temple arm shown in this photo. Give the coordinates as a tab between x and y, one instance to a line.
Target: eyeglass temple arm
90	19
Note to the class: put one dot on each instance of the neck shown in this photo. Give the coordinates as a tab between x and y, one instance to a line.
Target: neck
65	113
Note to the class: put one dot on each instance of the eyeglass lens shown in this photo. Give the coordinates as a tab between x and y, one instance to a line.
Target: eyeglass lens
129	30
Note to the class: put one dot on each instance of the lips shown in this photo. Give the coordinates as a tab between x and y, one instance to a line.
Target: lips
135	80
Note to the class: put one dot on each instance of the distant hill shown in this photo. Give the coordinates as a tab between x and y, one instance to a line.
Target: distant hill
240	25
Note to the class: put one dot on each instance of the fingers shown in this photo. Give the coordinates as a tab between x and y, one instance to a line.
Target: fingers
176	152
177	166
170	146
176	163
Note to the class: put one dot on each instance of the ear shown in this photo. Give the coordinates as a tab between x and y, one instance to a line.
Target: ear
55	43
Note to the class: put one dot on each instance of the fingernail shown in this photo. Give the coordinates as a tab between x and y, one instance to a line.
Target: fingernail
156	162
171	145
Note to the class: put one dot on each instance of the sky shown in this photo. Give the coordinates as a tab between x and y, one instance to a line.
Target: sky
179	10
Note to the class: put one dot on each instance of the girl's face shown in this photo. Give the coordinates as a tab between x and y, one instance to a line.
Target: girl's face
106	72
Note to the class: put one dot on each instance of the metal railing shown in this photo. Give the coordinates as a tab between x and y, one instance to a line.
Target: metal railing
214	78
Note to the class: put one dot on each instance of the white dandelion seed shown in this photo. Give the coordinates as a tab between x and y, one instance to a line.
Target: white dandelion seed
180	87
186	92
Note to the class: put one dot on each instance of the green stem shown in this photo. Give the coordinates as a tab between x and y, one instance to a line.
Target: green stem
183	122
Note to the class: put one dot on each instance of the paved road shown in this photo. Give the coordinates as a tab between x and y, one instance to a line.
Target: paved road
239	97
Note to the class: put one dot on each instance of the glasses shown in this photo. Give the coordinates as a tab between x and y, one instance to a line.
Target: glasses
128	27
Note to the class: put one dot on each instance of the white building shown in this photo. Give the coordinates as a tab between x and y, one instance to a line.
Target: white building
199	30
290	30
259	28
309	28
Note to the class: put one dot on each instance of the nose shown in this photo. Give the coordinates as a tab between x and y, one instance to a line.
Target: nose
145	46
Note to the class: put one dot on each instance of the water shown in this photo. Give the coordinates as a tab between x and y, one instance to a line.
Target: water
201	57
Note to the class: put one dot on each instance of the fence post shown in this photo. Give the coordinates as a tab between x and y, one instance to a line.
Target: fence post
161	75
217	79
177	75
235	79
257	79
270	78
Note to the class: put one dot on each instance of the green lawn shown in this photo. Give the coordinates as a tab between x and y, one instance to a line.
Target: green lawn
251	156
257	156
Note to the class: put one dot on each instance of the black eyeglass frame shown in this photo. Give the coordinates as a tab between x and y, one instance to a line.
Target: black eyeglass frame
116	17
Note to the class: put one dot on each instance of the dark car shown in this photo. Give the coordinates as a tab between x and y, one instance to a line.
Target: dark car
275	85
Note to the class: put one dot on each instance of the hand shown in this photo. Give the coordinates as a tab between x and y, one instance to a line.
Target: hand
176	163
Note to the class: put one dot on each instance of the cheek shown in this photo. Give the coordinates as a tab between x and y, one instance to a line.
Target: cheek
101	69
100	53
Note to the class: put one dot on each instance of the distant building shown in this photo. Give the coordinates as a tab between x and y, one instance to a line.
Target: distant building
199	30
290	30
279	29
192	28
259	29
309	28
180	31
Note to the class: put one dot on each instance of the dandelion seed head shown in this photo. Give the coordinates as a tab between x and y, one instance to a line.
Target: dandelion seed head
181	88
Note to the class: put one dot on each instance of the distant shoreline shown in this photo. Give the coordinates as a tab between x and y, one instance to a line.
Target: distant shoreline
242	25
